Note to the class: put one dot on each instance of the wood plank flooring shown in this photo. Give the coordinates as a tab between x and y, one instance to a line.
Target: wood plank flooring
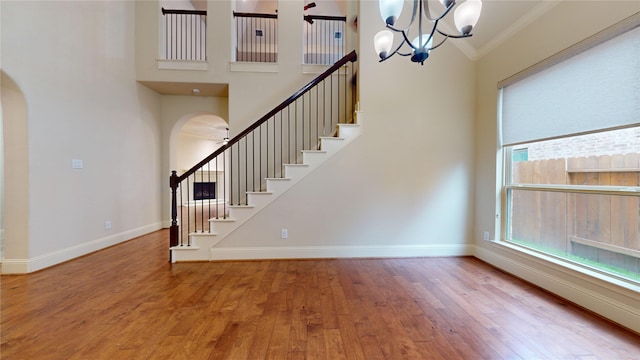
128	302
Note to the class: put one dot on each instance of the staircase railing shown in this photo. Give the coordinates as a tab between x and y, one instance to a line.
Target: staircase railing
222	179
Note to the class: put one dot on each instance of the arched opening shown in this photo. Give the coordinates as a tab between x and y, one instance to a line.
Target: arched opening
193	137
14	213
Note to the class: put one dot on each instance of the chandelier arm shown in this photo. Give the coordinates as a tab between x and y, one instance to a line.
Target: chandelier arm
427	11
440	43
406	40
453	36
396	51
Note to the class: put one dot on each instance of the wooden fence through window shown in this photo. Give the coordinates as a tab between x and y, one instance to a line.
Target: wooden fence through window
605	228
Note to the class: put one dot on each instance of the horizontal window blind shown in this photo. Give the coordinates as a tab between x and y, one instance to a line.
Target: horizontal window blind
596	89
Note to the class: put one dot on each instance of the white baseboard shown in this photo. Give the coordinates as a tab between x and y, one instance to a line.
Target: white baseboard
15	266
320	252
22	266
618	302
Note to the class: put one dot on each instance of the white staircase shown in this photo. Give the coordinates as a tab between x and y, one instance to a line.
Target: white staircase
201	243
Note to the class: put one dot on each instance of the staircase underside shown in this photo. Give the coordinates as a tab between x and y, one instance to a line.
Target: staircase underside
201	244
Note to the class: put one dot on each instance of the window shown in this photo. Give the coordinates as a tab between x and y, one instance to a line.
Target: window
571	145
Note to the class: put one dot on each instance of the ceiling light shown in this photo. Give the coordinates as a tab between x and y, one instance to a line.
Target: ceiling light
466	16
196	91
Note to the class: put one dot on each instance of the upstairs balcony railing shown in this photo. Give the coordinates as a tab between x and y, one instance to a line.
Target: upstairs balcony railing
256	37
185	35
222	179
324	39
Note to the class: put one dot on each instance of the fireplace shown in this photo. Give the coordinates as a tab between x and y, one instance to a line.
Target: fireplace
204	190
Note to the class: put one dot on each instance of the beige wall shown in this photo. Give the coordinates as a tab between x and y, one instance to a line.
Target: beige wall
82	102
556	30
406	182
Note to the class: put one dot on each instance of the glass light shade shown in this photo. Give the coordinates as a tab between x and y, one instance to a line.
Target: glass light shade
390	10
423	48
383	42
446	3
466	15
426	42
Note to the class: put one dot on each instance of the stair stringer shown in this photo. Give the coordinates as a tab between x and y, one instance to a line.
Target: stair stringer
202	243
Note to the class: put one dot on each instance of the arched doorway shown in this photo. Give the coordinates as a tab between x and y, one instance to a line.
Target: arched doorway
193	137
14	213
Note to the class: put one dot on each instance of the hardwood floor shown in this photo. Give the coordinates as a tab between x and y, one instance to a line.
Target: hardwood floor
128	302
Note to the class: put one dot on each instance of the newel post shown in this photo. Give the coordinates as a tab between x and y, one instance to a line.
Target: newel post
173	230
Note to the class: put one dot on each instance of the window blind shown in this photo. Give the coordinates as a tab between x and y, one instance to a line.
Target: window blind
598	88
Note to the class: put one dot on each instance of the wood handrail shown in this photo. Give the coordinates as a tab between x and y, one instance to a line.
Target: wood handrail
184	12
325	17
351	57
255	15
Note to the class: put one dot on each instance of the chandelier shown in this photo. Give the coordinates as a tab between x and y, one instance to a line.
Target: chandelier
465	16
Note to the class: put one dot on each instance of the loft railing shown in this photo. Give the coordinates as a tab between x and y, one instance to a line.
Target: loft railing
185	35
324	39
260	151
256	37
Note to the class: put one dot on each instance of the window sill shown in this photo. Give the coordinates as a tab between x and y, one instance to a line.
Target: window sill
568	266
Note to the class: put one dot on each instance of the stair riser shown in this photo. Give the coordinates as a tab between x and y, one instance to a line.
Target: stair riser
331	145
259	200
278	186
295	172
313	159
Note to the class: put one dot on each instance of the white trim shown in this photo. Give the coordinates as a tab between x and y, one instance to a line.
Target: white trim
21	266
320	252
15	266
619	301
183	65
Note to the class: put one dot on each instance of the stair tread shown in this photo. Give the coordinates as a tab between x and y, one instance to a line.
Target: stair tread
278	179
223	220
241	206
203	233
332	138
297	165
185	247
260	192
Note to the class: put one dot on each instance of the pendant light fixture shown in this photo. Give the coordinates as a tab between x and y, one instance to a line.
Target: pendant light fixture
466	16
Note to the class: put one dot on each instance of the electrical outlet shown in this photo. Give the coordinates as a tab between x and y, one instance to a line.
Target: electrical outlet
284	233
107	225
486	235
